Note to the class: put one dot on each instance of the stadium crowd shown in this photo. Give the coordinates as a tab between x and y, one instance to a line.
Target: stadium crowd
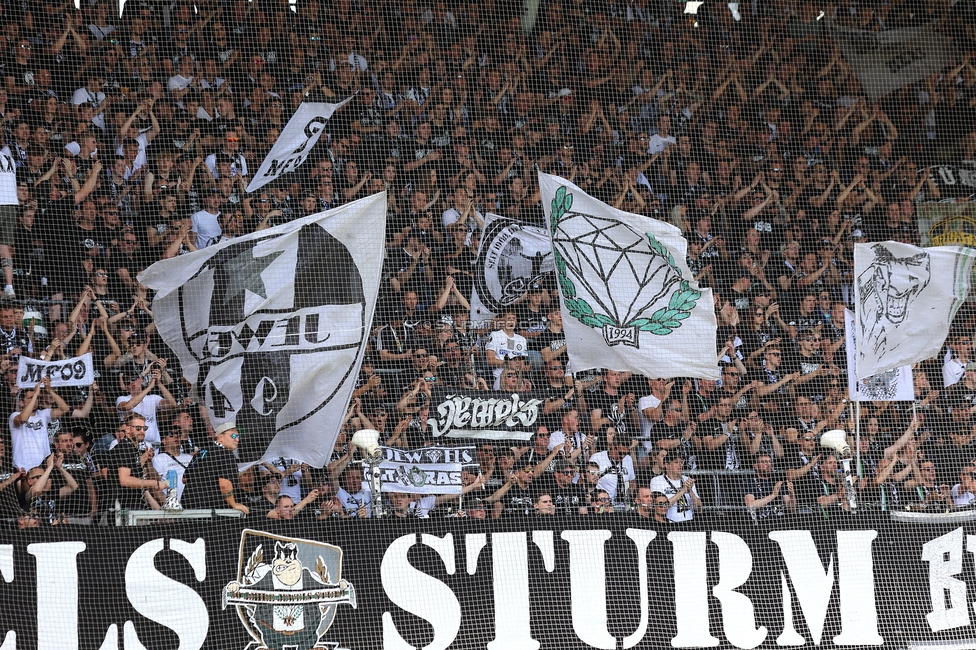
133	139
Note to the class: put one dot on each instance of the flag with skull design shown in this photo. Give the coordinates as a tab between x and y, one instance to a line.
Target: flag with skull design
270	327
629	301
905	298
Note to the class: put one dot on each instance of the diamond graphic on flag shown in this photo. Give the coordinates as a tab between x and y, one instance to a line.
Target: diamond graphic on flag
612	276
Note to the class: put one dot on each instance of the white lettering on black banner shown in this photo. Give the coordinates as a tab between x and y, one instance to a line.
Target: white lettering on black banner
468	416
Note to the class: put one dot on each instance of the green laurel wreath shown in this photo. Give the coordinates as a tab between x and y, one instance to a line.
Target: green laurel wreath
662	322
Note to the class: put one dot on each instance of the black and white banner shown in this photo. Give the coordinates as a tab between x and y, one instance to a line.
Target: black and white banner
295	142
888	60
513	256
76	371
542	582
270	327
428	470
489	416
953	182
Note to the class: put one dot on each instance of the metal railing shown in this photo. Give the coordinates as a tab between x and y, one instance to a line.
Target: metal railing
142	517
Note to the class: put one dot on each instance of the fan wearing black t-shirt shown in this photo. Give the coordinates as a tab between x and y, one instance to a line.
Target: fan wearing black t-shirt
804	472
560	398
676	432
139	487
532	324
83	501
551	343
807	359
568	497
611	407
212	479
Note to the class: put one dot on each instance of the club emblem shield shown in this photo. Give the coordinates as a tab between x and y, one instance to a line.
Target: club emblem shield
287	590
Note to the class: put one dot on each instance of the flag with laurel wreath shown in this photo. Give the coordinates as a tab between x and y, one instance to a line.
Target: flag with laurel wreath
629	301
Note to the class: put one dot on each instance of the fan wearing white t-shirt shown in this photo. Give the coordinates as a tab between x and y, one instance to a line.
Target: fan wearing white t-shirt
616	468
504	344
169	457
206	222
140	401
649	408
29	433
680	490
963	493
9	218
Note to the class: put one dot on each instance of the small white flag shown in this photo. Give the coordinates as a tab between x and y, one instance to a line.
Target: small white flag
295	143
906	298
76	371
629	301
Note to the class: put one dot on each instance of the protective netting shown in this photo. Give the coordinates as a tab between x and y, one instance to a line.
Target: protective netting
398	266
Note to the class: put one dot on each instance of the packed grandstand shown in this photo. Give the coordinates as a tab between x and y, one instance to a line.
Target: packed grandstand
293	294
761	130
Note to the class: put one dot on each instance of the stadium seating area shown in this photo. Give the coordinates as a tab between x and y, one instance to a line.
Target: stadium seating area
755	128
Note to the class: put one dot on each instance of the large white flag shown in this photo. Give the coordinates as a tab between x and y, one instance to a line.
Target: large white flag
295	142
270	327
905	299
893	385
629	301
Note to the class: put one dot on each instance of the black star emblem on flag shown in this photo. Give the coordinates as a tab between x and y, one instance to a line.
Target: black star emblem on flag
244	272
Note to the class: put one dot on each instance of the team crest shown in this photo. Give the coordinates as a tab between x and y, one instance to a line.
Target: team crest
287	591
615	278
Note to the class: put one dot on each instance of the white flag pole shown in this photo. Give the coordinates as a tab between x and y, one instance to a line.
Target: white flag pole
857	434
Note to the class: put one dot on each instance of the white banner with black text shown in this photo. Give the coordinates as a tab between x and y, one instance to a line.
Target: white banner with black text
526	582
295	143
428	470
76	371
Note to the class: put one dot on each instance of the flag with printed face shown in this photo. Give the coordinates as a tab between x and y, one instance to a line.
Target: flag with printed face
629	301
906	298
270	327
893	385
295	142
